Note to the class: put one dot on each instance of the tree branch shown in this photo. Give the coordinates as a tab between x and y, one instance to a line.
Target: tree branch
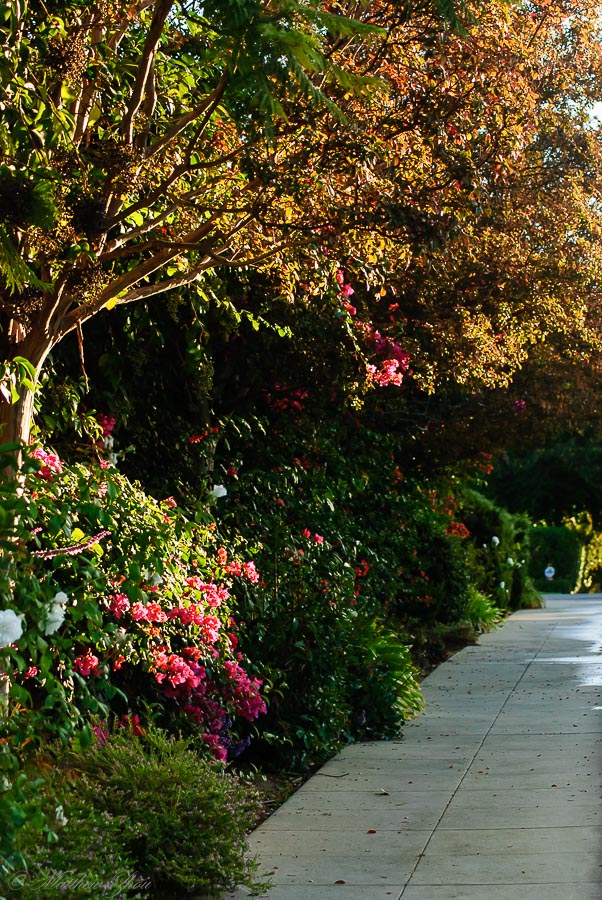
149	51
207	106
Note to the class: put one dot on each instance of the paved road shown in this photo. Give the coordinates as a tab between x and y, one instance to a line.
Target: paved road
492	794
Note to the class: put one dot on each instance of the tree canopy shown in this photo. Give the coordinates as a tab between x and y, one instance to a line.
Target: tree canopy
445	172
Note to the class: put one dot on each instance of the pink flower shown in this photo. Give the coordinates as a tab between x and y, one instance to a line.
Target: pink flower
219	752
352	310
306	533
155	613
139	612
152	612
210	626
251	572
177	672
188	615
31	672
402	357
214	596
51	463
86	664
101	734
119	605
194	582
387	374
340	276
244	692
318	539
107	423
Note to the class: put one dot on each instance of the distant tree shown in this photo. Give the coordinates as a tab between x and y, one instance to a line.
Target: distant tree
552	483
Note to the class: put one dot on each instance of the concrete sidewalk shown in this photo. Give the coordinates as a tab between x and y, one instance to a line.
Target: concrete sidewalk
493	792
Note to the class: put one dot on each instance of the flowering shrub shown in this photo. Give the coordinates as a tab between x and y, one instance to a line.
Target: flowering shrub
316	623
109	599
126	592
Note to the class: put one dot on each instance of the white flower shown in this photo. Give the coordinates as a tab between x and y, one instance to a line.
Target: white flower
11	627
54	618
218	490
502	584
510	561
495	540
59	817
56	614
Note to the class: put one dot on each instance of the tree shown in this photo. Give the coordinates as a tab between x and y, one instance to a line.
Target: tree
451	180
129	136
552	483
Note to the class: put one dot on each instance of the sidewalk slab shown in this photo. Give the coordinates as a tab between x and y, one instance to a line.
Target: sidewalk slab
494	791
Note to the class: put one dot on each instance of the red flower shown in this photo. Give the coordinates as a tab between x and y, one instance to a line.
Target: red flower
87	664
107	423
222	556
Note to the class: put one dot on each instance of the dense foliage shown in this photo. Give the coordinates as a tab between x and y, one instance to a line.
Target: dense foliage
112	602
245	510
450	178
140	815
556	547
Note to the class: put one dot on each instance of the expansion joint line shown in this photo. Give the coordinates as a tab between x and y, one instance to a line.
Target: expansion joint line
511	691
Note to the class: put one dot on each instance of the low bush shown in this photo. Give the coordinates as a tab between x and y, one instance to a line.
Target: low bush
140	816
592	564
332	673
498	552
481	613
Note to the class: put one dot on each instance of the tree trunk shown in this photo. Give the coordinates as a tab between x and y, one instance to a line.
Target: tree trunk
16	418
15	427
